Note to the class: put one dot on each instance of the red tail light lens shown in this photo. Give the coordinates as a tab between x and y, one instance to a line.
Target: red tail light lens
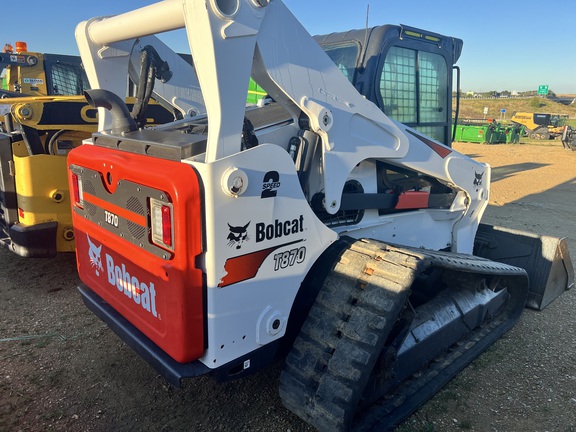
162	224
77	191
166	225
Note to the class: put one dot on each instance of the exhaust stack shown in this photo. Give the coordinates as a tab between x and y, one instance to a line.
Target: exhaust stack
122	122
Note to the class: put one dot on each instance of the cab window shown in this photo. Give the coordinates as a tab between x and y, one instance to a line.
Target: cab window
413	86
68	79
344	56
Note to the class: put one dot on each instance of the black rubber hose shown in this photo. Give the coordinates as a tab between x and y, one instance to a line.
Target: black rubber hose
122	122
151	67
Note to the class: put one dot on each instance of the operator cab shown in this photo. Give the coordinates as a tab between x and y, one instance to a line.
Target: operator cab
405	71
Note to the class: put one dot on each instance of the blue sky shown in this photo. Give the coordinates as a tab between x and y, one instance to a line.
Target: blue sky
503	50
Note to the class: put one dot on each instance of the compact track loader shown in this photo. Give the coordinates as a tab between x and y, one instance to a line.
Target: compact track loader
314	227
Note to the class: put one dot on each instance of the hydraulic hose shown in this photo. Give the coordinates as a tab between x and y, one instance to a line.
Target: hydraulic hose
151	67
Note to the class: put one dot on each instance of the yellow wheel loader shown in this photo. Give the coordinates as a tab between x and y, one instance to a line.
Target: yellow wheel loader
44	116
38	131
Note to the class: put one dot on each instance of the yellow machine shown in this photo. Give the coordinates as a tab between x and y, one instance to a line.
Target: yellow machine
38	131
37	74
540	125
41	120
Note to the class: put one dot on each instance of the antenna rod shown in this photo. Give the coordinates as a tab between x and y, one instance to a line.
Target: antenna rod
367	15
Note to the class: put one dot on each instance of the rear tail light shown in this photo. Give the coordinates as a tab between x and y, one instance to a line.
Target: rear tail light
162	224
77	190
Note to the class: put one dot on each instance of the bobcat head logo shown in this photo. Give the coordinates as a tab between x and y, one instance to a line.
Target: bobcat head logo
478	179
238	235
95	256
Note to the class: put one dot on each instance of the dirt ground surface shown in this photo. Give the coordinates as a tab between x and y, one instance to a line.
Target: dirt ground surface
62	369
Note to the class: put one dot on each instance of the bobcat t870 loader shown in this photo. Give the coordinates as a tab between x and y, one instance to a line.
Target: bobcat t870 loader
314	227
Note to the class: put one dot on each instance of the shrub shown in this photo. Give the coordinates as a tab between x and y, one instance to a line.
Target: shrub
536	102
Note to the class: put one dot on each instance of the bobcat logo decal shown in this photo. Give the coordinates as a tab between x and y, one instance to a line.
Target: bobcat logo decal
478	179
95	256
238	235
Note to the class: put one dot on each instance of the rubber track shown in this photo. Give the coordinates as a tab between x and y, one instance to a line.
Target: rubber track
331	360
340	342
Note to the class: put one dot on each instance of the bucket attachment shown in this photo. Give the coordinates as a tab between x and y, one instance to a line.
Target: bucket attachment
545	258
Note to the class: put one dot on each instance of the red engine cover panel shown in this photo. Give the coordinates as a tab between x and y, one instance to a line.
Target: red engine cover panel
162	297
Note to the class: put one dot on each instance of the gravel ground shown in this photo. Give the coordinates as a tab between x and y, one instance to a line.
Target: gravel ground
62	369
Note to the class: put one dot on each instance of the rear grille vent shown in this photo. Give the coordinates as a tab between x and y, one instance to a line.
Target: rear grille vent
89	188
134	205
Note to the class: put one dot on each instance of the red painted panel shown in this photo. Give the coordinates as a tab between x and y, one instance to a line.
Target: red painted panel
412	200
162	298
